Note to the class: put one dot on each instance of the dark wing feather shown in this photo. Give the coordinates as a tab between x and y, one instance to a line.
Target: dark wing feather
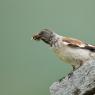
90	47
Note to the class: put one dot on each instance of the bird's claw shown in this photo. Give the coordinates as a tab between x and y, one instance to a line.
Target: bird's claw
61	79
70	74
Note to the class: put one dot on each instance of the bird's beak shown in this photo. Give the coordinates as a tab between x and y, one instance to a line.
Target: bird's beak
36	37
32	38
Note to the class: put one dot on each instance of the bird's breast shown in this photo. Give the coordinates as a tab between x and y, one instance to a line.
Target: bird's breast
72	55
64	55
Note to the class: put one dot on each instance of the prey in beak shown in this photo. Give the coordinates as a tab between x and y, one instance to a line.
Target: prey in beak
36	37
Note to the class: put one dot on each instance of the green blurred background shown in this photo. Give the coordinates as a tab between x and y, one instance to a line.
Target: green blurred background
29	67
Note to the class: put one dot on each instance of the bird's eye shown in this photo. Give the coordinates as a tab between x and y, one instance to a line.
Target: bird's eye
41	33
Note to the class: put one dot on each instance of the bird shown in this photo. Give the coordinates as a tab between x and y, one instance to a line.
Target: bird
70	50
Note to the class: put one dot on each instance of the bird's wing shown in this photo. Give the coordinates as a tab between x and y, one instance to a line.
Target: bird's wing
73	42
77	43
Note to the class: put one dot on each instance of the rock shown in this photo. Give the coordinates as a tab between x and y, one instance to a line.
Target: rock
81	82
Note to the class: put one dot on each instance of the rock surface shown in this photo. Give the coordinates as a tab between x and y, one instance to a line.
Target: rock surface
81	82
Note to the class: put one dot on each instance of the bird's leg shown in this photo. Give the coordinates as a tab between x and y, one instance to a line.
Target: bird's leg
75	68
71	73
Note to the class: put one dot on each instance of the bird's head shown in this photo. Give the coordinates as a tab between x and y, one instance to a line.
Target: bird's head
45	35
